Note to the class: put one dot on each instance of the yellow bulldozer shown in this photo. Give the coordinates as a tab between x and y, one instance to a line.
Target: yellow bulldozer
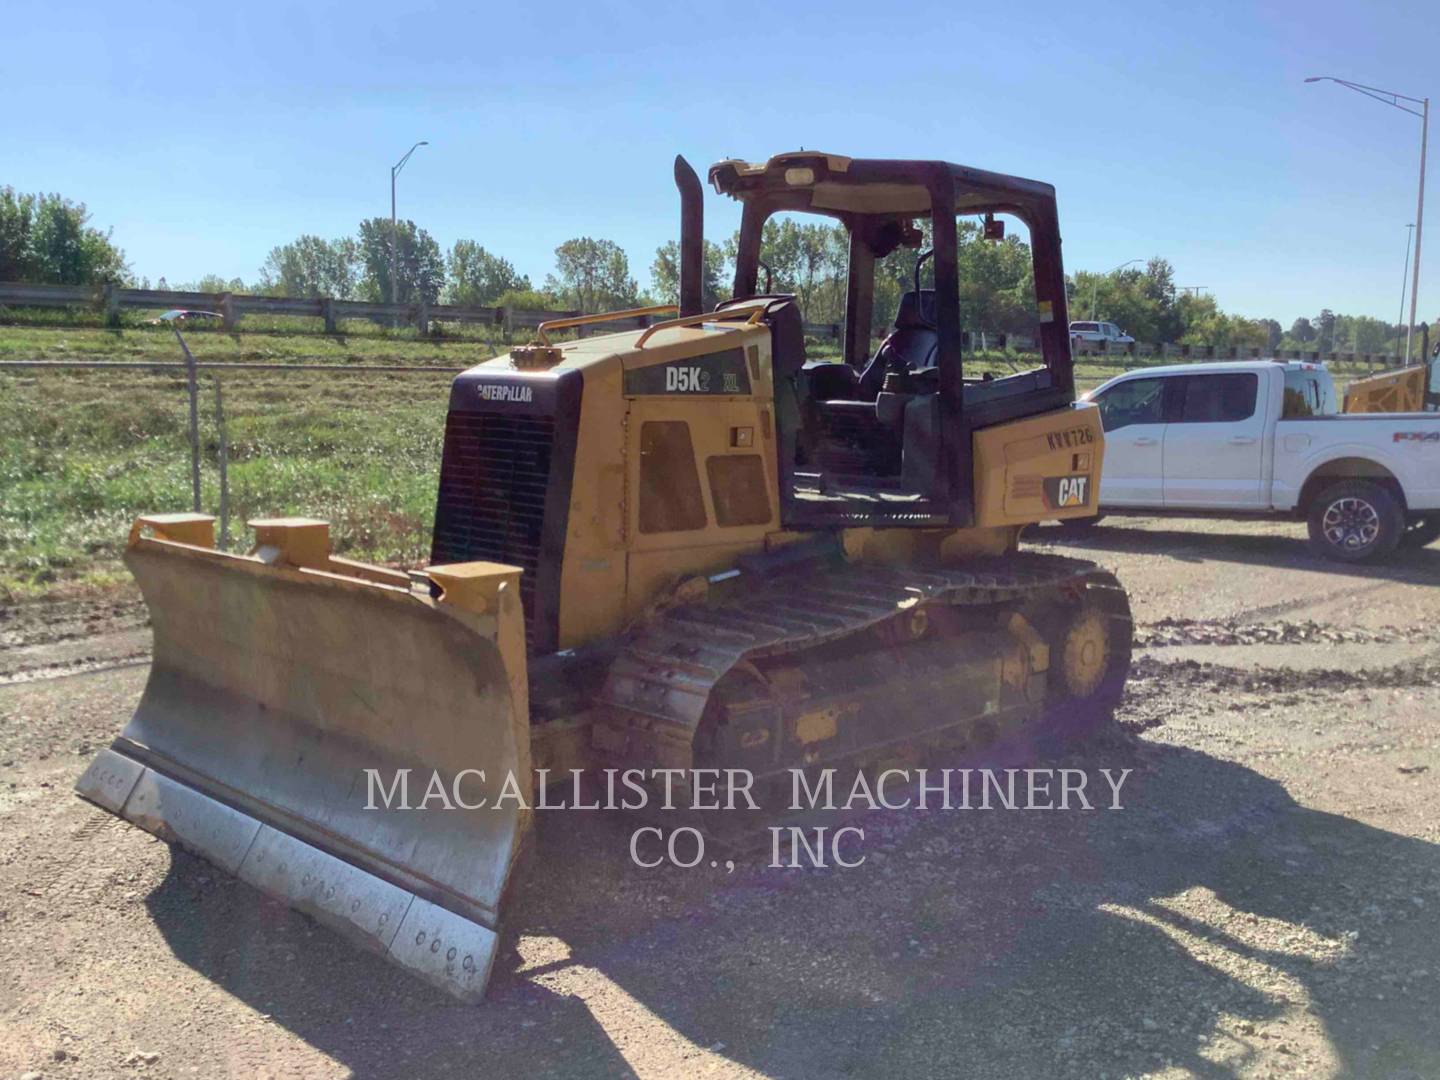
1408	389
680	547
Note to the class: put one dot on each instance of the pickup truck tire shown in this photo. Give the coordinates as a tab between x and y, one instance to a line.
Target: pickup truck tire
1421	532
1355	521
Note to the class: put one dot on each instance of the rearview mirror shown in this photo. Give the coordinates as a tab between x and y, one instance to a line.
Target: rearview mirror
994	230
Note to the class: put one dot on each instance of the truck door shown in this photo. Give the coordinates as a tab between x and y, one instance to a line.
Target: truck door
1133	414
1214	444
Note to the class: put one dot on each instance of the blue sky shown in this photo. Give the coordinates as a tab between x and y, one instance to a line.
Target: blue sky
205	134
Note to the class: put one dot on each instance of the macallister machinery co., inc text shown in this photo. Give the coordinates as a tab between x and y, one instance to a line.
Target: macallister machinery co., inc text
1029	789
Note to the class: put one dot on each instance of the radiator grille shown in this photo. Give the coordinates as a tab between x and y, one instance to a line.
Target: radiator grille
494	473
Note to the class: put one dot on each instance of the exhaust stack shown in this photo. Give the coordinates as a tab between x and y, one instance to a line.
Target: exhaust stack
692	233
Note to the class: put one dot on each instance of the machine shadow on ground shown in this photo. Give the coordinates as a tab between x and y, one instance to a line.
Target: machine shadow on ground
1406	565
972	943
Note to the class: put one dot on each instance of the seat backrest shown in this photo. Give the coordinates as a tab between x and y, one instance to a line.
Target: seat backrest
911	346
916	310
787	338
787	332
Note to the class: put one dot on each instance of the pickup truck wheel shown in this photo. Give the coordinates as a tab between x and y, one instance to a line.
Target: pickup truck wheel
1422	532
1355	521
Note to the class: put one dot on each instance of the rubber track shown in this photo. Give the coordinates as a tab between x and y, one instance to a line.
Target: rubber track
667	668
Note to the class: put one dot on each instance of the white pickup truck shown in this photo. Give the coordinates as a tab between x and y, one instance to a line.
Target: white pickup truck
1263	437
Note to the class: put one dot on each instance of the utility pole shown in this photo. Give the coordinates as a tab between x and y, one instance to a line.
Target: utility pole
1391	98
1419	222
394	229
1404	273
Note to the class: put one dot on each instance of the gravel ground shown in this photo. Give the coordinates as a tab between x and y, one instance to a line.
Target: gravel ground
1267	903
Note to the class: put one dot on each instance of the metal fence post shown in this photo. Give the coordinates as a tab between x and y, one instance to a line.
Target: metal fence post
224	469
194	392
327	312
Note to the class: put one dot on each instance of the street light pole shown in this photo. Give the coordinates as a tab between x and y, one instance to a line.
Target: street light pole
1405	269
394	229
1391	98
1095	285
1419	224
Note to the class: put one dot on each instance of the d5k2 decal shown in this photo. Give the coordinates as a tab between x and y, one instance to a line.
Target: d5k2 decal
714	373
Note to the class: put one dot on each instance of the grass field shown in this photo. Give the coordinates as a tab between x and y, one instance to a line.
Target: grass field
44	335
82	452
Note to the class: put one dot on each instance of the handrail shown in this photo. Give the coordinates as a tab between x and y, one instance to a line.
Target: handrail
691	320
604	316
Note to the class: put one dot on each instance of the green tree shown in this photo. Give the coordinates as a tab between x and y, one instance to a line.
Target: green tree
895	275
997	282
311	266
214	283
592	275
478	277
420	266
1143	303
1325	331
806	259
1303	330
527	300
1206	324
48	239
1362	334
1157	285
665	275
17	218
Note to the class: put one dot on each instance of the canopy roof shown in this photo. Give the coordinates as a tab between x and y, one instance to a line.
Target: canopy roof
842	186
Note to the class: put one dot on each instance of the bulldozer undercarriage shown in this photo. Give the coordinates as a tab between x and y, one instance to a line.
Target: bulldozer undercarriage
863	666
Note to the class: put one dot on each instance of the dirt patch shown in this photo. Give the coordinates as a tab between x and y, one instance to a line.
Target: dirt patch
1181	631
1266	903
43	639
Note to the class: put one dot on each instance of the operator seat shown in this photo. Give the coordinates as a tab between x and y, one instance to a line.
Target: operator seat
841	405
910	346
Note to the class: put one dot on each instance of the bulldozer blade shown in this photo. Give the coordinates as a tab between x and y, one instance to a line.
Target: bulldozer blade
334	735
